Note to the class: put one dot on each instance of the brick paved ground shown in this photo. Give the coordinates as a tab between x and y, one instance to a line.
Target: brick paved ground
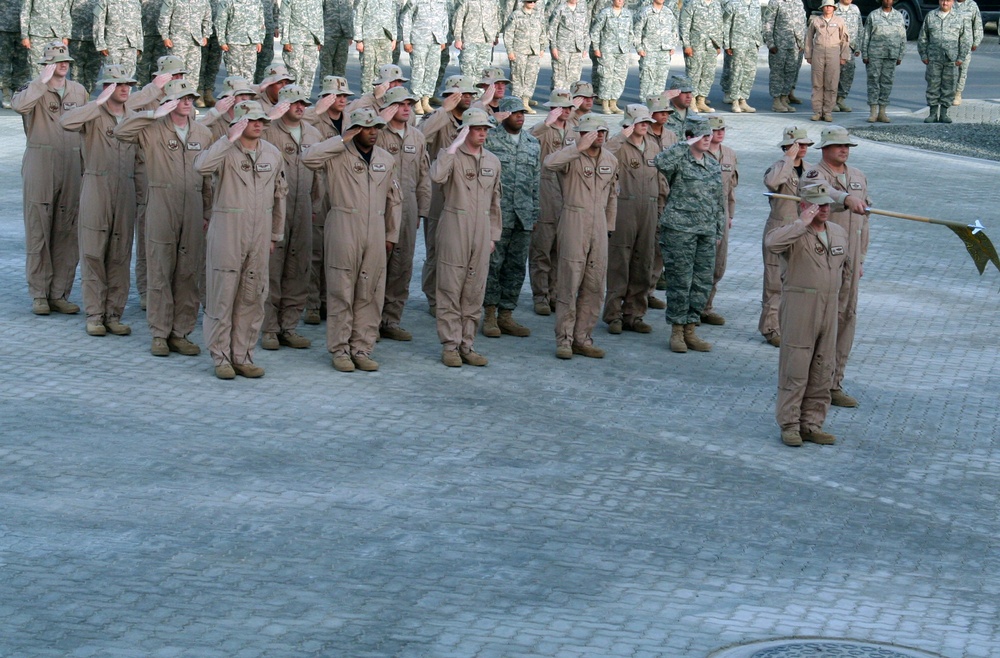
637	506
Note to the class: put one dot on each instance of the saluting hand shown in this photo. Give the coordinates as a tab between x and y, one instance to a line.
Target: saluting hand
459	140
809	214
351	134
451	101
627	132
323	104
47	73
577	101
279	110
223	105
553	116
381	89
488	95
500	117
166	109
586	141
105	94
389	112
161	80
236	130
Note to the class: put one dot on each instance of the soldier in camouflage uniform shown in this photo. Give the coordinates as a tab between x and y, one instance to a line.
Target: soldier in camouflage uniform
785	38
43	21
526	40
852	18
520	175
266	55
656	35
691	225
338	30
968	10
241	30
741	38
301	25
425	36
611	36
211	60
701	37
118	32
13	56
569	42
375	35
185	26
152	42
882	43
476	27
86	63
944	43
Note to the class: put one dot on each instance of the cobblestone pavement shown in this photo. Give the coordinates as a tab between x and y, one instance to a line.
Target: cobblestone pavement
640	505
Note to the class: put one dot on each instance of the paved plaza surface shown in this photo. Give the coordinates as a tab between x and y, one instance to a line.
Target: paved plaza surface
641	505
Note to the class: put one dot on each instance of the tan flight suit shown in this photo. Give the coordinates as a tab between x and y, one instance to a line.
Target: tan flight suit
317	270
827	42
664	140
470	221
543	251
51	170
412	172
179	203
364	215
727	160
589	211
781	178
216	123
813	276
107	212
642	193
248	214
440	128
290	261
852	183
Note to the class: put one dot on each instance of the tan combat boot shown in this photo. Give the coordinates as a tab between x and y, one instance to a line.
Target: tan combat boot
292	339
473	358
248	370
816	435
736	107
269	341
606	106
615	108
364	362
778	105
873	116
745	107
490	328
312	316
841	106
792	99
702	106
159	347
693	342
63	306
527	105
451	358
958	98
882	116
508	325
426	102
343	363
840	399
788	104
418	107
209	98
182	345
677	343
592	351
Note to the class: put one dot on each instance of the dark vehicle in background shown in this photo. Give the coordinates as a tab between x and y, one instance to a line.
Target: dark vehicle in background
913	11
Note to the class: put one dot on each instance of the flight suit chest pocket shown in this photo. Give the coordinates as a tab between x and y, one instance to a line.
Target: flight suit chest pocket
487	176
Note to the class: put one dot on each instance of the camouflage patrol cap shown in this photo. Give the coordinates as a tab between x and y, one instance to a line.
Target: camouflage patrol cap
398	95
818	194
835	136
493	75
236	85
660	103
54	53
636	113
795	135
294	94
716	123
389	73
364	117
475	117
334	84
178	89
115	74
559	98
170	64
276	73
459	84
249	110
511	104
681	83
582	88
589	123
696	126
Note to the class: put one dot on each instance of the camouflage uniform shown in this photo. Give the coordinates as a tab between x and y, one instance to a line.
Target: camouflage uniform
692	221
13	57
612	35
882	42
785	38
152	42
969	10
425	27
266	55
656	36
476	25
240	25
525	38
446	53
569	34
86	64
701	30
852	18
520	176
211	54
338	30
44	21
944	39
186	23
301	26
118	30
741	34
375	27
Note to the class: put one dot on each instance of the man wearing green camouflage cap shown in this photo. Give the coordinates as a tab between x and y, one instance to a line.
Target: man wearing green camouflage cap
814	253
681	104
691	226
362	226
179	201
588	176
107	203
248	219
469	227
52	177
